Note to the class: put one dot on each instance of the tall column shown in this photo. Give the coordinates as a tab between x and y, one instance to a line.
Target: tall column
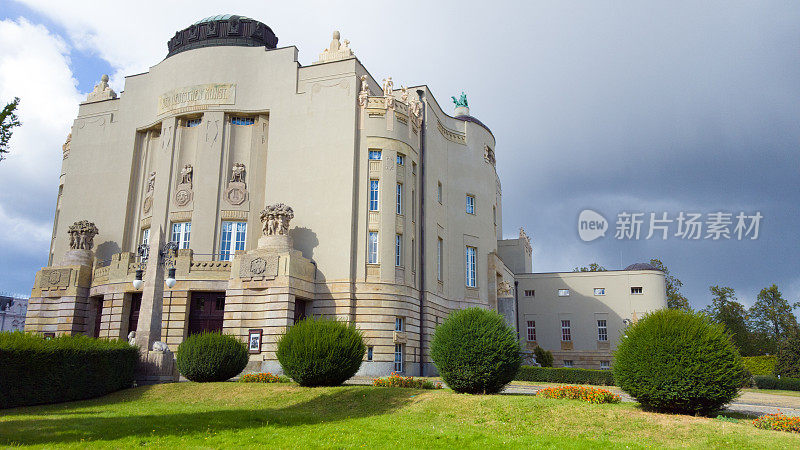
148	329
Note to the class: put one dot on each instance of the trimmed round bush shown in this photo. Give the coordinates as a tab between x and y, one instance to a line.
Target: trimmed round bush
787	364
208	357
34	370
475	351
321	352
680	362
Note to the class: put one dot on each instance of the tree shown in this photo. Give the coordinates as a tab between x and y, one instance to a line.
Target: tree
772	315
8	121
725	310
593	267
675	300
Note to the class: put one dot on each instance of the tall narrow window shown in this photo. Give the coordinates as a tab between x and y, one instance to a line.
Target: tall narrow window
369	353
401	159
531	328
413	255
232	236
398	250
146	236
399	324
181	232
602	330
494	215
373	247
399	198
439	250
566	331
374	154
471	257
439	192
373	194
413	205
398	358
470	204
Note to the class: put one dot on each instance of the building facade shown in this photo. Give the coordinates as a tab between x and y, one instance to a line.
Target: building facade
286	191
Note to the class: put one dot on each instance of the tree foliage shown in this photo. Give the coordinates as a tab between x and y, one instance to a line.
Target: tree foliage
593	267
8	121
675	300
787	363
772	315
727	311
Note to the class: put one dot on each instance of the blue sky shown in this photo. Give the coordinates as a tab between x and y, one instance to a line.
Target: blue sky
613	106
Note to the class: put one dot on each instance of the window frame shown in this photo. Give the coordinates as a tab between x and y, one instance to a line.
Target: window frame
399	356
599	291
470	204
370	352
374	194
377	153
568	363
563	292
236	238
193	122
529	292
605	365
471	267
184	234
398	250
566	330
637	290
401	159
243	121
530	330
373	253
399	199
399	324
439	259
602	330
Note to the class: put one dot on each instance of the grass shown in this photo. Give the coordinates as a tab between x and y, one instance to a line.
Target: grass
285	415
773	392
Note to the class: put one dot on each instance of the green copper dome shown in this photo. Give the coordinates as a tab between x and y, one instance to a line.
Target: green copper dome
220	17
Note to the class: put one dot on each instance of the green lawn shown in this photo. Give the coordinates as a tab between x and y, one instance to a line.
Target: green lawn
217	415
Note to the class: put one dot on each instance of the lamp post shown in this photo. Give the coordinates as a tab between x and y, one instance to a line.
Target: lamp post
166	256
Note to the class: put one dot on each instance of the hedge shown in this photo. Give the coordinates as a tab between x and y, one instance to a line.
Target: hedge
770	382
62	369
760	365
565	375
211	356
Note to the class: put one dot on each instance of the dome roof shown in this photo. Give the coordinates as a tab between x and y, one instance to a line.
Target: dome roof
474	120
222	30
641	266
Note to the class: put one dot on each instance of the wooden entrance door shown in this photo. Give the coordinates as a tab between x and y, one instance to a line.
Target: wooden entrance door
133	318
299	309
206	312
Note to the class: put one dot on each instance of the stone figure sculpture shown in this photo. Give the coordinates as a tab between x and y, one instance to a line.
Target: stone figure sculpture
363	94
132	338
275	219
404	94
186	174
388	87
504	289
66	147
237	173
101	91
81	235
151	181
159	346
461	101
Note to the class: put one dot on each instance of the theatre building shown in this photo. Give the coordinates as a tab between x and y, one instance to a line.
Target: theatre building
231	188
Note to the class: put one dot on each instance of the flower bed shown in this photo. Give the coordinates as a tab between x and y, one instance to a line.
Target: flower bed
395	380
778	422
588	394
263	378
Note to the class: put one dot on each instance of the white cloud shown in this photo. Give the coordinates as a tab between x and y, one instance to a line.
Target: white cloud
34	66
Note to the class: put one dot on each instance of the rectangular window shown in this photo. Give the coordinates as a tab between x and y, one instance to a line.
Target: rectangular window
232	235
599	291
636	290
470	204
413	255
398	250
566	331
439	250
375	155
369	353
531	330
192	122
398	324
439	192
471	257
413	168
568	363
602	330
373	194
242	120
398	358
413	205
146	236
529	292
373	247
401	159
605	365
399	198
563	292
181	232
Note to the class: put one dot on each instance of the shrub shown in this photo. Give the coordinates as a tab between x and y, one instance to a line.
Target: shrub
587	394
66	368
778	422
475	351
543	357
760	365
395	380
321	352
783	383
678	361
263	378
565	375
207	357
787	363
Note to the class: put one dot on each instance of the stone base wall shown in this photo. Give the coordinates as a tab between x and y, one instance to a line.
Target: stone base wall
582	359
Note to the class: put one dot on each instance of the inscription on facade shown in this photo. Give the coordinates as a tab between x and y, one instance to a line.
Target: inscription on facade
201	94
55	278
